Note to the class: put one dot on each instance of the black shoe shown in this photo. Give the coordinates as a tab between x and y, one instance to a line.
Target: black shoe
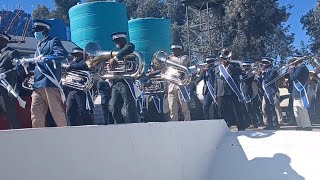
269	128
307	129
254	126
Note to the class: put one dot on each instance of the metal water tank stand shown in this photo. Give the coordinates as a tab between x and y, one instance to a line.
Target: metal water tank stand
204	28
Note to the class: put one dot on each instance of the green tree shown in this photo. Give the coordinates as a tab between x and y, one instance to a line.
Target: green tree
62	9
311	23
250	23
41	12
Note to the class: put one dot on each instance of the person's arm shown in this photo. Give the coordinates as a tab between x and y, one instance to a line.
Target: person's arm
78	66
58	50
126	50
270	77
185	60
154	73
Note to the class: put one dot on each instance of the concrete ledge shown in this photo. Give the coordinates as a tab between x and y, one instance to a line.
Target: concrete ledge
157	151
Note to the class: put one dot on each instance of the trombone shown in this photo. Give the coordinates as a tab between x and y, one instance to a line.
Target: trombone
287	69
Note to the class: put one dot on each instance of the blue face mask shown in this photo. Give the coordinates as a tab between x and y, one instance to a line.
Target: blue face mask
39	35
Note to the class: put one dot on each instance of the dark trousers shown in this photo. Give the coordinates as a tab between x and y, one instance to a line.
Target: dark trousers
208	100
8	107
77	113
231	110
271	114
254	111
122	105
107	116
151	114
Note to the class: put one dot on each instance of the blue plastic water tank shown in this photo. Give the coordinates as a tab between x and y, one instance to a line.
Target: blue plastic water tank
58	28
150	35
96	21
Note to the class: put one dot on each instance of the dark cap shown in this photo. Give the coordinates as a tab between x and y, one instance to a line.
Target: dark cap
76	50
41	23
118	35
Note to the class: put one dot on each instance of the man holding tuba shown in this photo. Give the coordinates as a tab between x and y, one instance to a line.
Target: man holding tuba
47	90
155	101
78	101
122	104
8	103
178	95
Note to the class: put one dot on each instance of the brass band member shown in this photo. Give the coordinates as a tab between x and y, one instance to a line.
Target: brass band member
77	100
47	91
177	99
8	103
270	93
249	88
229	96
299	75
155	102
122	104
208	75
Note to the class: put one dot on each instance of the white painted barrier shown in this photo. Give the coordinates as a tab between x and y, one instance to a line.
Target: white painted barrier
153	151
200	150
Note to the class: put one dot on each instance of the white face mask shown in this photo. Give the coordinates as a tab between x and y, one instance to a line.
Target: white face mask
118	46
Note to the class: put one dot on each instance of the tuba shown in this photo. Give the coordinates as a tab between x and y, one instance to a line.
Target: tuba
173	72
80	80
28	81
154	85
132	65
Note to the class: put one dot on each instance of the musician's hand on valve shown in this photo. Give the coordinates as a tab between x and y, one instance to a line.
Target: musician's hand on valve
113	63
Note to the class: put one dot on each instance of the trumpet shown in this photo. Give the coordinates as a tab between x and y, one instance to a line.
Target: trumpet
132	65
173	72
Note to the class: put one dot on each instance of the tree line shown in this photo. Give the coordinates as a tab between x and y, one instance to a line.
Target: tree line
251	28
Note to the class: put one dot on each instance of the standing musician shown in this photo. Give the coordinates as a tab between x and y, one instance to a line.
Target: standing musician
155	102
122	104
178	96
227	91
270	93
78	101
299	75
104	90
8	102
250	89
47	91
208	75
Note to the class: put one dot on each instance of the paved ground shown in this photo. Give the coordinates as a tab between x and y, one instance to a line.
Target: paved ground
315	127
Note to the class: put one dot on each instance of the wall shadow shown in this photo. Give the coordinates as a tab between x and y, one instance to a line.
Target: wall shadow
231	161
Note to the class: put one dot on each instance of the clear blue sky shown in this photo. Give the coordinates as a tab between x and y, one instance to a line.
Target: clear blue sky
300	8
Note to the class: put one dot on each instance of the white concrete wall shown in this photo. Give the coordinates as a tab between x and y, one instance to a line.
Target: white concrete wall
153	151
